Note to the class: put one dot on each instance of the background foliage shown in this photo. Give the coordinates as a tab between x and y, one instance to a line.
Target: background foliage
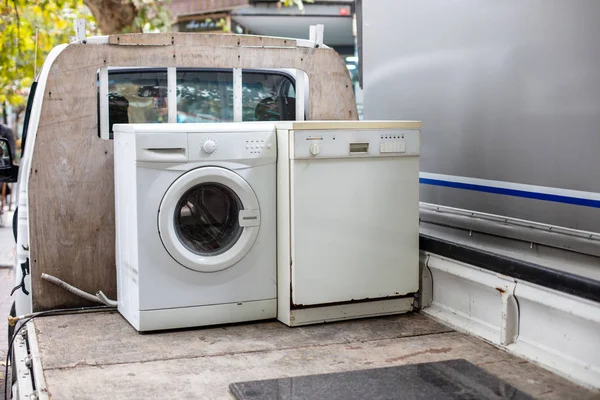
29	29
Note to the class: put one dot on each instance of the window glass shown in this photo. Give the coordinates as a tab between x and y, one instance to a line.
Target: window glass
137	97
207	96
207	219
203	95
267	97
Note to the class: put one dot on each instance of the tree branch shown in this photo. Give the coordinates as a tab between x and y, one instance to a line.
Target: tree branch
18	27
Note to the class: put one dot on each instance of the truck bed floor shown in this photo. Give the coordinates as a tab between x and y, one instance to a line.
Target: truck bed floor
100	356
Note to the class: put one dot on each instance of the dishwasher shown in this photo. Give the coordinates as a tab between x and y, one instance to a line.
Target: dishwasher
347	219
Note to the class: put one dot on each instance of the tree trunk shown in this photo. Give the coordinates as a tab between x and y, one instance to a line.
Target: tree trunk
112	16
4	114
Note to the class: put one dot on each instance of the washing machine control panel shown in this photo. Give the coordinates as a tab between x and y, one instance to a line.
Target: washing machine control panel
257	146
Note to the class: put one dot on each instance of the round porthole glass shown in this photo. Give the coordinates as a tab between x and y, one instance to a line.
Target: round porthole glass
206	219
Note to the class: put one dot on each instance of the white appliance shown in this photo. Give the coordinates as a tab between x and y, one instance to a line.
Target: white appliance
348	219
195	223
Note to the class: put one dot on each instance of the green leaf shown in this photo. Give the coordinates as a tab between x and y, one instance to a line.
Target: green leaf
53	20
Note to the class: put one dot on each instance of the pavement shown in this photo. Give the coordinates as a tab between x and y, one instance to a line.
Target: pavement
7	282
7	241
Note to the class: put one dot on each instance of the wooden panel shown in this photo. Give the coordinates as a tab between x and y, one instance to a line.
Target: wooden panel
206	39
151	39
71	194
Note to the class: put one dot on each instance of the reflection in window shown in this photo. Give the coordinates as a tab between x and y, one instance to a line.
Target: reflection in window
203	95
207	219
207	96
267	97
137	97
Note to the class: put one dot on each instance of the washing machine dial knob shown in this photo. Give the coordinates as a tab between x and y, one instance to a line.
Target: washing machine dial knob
314	149
209	146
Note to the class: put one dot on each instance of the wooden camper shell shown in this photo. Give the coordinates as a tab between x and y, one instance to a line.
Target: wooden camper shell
71	193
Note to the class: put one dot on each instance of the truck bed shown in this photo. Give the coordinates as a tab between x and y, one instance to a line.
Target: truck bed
100	356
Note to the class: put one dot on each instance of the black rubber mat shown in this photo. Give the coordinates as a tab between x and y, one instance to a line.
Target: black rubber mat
453	379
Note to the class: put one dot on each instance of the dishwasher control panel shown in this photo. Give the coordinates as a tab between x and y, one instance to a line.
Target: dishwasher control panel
308	144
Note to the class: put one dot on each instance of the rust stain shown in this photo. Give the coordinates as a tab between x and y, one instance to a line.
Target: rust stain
418	353
500	290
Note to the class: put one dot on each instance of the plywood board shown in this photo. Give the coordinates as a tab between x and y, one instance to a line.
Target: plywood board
71	194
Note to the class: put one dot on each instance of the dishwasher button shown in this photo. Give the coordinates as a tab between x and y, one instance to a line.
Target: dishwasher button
314	149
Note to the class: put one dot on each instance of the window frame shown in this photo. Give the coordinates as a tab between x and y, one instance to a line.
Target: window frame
104	74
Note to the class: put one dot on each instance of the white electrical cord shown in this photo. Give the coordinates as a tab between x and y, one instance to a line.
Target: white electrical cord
100	297
13	320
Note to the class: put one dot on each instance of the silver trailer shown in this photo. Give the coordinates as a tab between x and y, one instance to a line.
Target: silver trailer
509	96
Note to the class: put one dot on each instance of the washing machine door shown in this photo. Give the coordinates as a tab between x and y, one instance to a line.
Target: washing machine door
209	219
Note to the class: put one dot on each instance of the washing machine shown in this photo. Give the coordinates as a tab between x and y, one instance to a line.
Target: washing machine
195	223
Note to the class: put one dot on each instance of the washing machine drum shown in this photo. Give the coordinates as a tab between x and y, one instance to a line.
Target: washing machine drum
209	219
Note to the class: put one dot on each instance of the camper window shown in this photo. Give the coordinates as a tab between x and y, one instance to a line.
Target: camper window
203	95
